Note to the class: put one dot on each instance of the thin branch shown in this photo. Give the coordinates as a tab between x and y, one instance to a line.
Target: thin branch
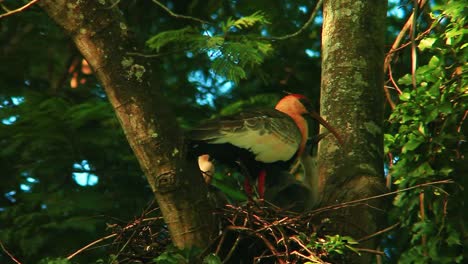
462	121
385	230
419	37
400	37
312	255
19	9
179	16
390	75
389	98
422	214
9	254
395	46
306	257
414	55
341	205
372	251
114	4
90	245
149	56
270	247
233	248
304	27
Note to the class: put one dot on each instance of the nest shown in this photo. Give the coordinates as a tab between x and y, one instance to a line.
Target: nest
270	235
252	232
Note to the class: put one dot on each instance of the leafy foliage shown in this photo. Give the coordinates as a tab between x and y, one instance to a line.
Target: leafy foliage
428	144
331	245
230	56
245	22
173	255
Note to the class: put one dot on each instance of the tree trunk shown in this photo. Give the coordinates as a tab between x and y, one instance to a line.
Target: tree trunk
101	35
352	100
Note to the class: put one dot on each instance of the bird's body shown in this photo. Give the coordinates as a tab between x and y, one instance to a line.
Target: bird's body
256	141
269	135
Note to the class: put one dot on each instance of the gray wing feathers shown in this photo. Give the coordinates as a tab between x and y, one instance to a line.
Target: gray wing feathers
267	121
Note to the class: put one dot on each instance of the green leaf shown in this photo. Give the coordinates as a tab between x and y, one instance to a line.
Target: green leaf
426	43
405	80
434	62
54	261
233	192
453	239
413	143
423	170
405	96
212	259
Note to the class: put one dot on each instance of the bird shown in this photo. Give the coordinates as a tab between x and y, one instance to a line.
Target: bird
258	141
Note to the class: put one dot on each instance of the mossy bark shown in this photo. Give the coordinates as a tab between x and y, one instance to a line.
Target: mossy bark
352	101
101	35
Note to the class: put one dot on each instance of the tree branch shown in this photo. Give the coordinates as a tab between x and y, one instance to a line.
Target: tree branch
304	27
9	13
8	253
179	16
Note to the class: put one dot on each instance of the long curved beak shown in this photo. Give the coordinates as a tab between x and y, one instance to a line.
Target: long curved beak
324	123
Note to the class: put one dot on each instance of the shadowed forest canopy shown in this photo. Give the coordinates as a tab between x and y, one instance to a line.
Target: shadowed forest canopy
69	176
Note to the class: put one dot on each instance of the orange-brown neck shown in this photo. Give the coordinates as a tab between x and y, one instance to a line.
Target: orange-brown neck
304	129
293	107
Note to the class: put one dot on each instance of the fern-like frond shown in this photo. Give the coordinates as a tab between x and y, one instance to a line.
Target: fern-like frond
228	68
248	21
229	56
245	22
235	56
184	35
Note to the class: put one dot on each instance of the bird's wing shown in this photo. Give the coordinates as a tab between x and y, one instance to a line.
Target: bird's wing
269	134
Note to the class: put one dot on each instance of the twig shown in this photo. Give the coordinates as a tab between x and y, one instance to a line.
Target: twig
90	245
285	242
304	27
270	247
114	4
311	254
400	36
462	121
179	16
396	44
414	55
19	9
388	181
390	75
126	243
220	243
341	205
378	233
231	251
368	250
9	254
236	243
149	56
422	213
419	37
389	98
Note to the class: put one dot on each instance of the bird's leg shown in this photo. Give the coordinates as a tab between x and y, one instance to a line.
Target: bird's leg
248	188
261	184
247	180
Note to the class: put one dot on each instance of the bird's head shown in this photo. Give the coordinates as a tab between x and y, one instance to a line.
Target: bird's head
294	104
297	104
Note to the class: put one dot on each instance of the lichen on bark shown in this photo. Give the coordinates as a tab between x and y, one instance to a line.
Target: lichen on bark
352	101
